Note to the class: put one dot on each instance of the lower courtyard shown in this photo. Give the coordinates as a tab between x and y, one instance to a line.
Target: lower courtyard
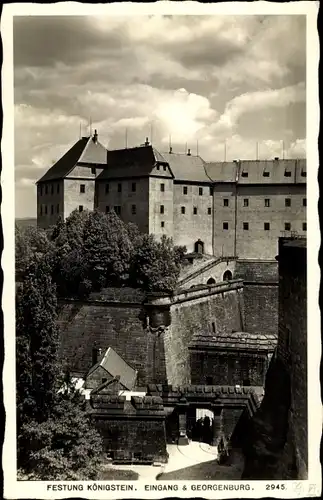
196	461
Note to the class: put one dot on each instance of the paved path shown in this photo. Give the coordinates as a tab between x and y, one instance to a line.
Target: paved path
180	457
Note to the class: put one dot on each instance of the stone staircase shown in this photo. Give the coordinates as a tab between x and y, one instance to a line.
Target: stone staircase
200	267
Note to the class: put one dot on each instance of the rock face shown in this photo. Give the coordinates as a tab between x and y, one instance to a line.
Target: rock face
275	444
267	444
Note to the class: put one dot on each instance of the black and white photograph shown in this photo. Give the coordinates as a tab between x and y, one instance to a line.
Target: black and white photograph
163	199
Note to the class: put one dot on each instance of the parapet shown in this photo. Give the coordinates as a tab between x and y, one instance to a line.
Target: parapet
113	406
107	401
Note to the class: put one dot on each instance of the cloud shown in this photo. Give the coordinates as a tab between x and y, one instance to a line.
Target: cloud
258	102
213	79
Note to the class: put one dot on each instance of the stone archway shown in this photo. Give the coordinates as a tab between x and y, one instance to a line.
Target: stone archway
227	275
199	246
210	281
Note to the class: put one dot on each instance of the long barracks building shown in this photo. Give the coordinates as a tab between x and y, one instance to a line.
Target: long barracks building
237	209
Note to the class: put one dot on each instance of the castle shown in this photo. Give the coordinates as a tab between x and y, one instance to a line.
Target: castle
234	209
207	346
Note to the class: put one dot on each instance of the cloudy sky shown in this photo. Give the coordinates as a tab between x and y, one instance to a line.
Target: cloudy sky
212	79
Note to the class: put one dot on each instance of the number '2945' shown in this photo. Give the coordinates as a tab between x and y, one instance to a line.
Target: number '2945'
275	487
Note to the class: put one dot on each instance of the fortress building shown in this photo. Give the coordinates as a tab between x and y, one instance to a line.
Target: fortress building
233	209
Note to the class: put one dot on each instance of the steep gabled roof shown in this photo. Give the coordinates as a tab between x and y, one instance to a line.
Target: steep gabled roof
115	366
85	150
186	167
131	162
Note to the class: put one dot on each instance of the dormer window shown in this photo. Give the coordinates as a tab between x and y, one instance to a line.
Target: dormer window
288	173
244	174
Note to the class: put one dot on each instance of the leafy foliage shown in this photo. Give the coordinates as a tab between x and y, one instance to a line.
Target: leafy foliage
56	439
64	447
156	265
93	250
37	343
31	244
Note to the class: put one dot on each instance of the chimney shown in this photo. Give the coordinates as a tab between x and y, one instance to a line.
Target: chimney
188	152
170	150
95	137
147	142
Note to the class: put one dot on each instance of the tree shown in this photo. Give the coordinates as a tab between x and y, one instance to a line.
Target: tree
66	446
56	439
66	258
92	250
108	249
37	339
31	244
156	264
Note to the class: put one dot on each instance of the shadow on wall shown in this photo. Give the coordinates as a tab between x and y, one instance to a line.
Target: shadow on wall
265	441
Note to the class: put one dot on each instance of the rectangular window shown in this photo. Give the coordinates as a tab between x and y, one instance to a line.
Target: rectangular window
265	174
162	224
246	202
225	225
46	189
185	190
41	190
57	208
107	188
93	170
194	210
80	208
287	226
304	202
200	191
117	210
157	167
213	327
287	202
267	202
52	189
244	174
107	209
288	173
209	211
266	226
162	187
165	168
133	187
45	209
183	210
82	188
226	202
162	209
303	173
41	209
119	188
57	188
304	226
133	209
211	191
246	226
52	209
